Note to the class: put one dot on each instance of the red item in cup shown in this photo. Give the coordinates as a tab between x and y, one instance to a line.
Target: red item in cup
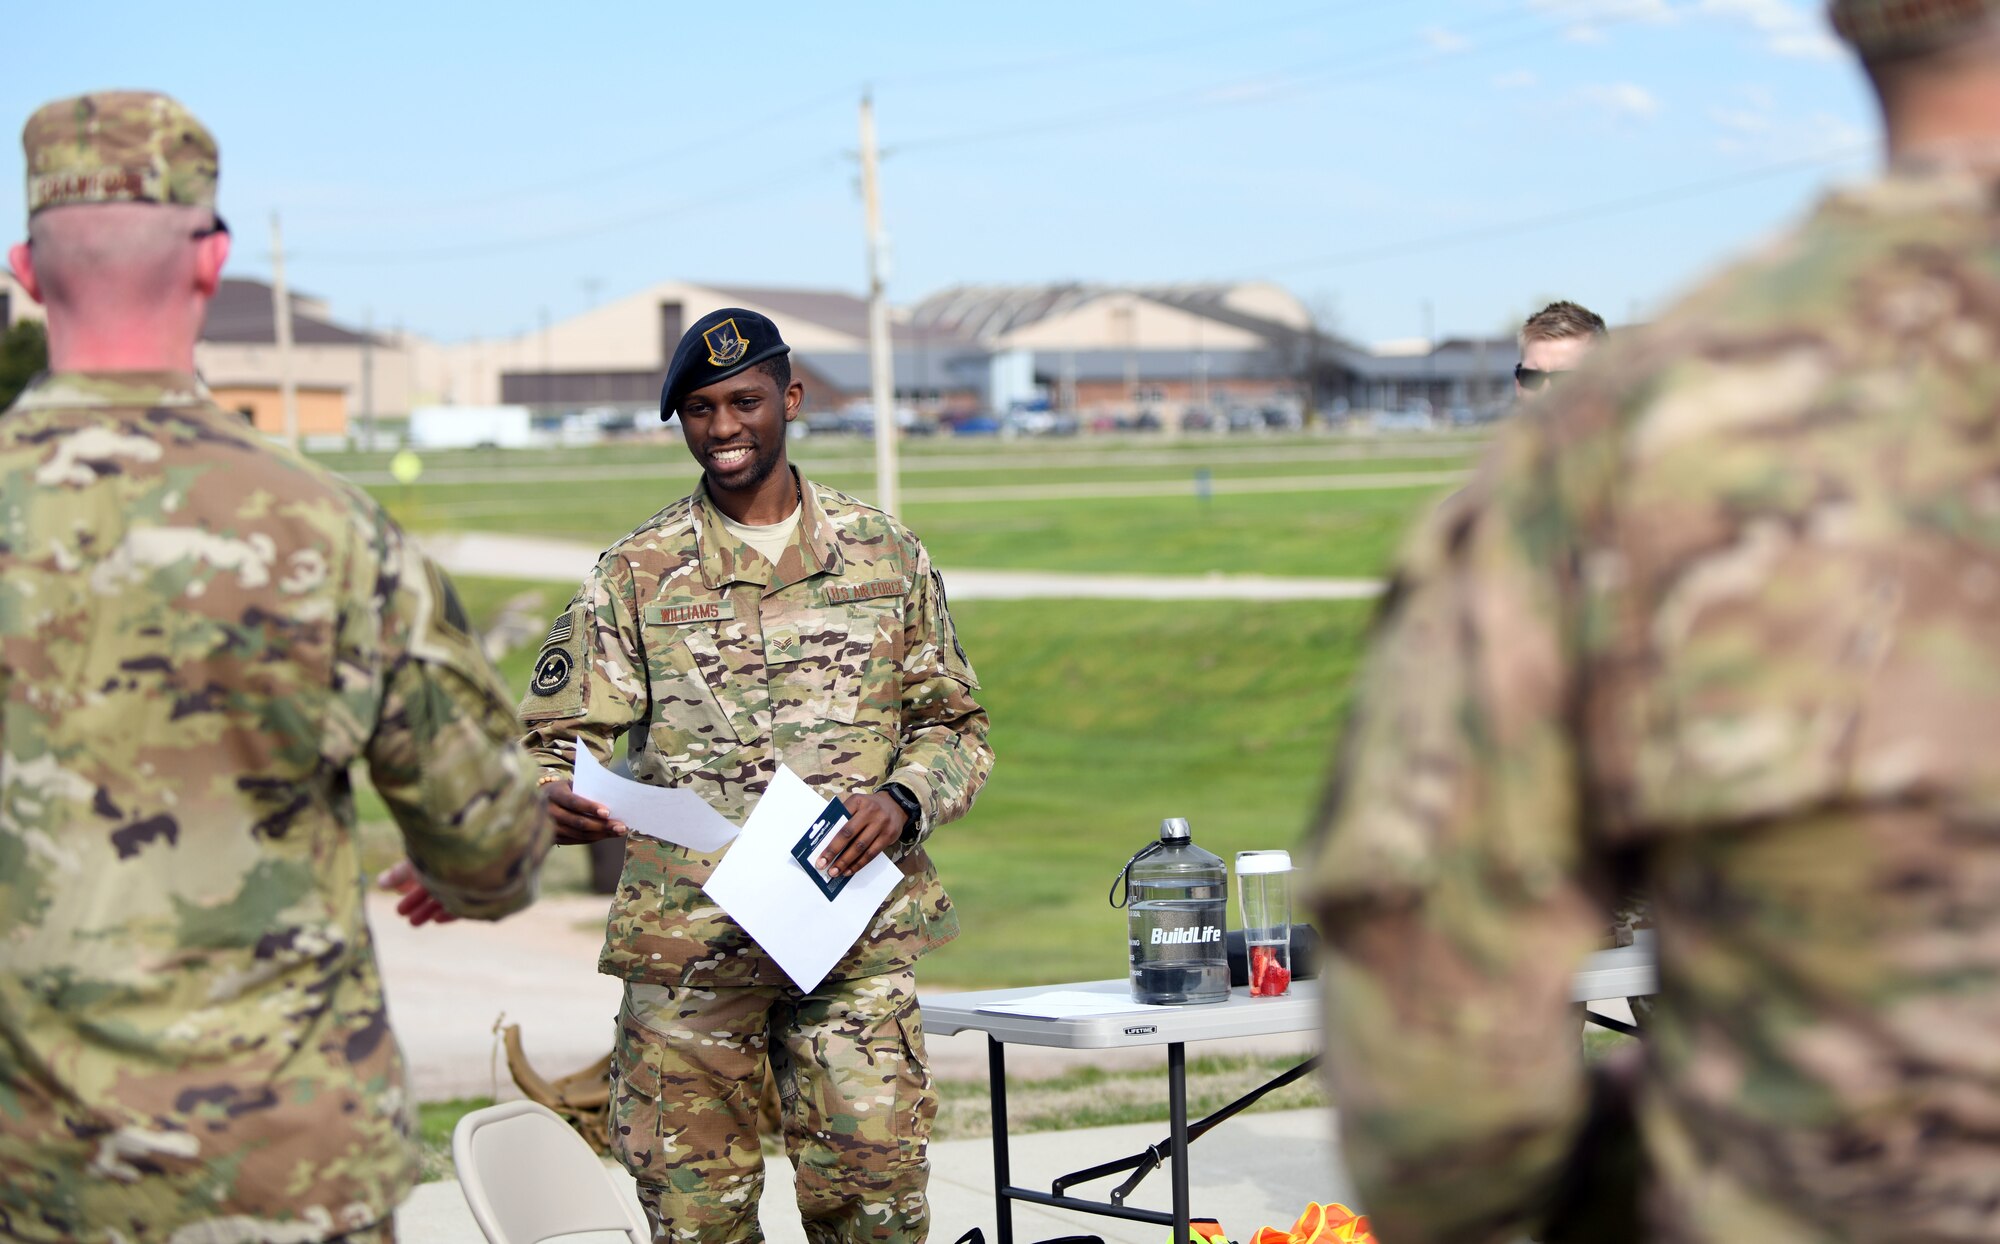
1269	978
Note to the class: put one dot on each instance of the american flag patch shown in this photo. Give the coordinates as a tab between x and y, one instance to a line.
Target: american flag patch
560	632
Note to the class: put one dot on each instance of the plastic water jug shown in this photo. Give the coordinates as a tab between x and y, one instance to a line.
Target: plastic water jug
1177	917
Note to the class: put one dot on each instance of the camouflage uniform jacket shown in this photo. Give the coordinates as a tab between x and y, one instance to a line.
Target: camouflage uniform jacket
840	661
201	635
1723	614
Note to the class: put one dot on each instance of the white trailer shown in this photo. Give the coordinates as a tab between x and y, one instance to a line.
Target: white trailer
470	427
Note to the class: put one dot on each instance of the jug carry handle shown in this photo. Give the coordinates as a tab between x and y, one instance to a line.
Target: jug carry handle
1124	876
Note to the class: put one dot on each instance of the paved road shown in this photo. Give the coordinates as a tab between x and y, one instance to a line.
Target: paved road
652	459
1253	1171
567	561
449	984
1091	490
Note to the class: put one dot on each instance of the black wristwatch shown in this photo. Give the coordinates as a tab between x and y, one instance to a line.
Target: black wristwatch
914	811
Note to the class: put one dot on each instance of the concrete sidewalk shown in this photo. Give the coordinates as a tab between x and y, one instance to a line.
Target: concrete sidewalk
448	984
1253	1171
566	562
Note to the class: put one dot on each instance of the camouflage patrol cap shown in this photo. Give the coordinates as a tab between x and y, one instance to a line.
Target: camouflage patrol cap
118	147
1897	27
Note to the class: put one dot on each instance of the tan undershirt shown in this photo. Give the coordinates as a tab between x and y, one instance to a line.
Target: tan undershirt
770	540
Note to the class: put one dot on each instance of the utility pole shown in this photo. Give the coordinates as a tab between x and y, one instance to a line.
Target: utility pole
1430	359
548	380
281	313
881	379
1129	312
368	380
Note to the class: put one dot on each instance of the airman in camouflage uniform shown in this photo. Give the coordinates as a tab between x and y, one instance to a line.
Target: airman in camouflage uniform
717	663
199	636
1720	616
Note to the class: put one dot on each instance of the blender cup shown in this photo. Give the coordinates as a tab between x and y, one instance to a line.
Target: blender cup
1264	889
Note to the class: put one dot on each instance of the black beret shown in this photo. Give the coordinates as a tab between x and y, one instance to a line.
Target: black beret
719	345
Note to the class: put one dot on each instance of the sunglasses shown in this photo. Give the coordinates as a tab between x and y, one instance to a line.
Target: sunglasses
1532	380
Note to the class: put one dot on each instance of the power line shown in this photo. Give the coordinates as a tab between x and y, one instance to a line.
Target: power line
1206	37
802	107
779	181
1375	62
1610	207
649	162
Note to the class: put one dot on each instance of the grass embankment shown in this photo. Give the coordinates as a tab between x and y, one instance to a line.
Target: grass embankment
1107	716
1073	522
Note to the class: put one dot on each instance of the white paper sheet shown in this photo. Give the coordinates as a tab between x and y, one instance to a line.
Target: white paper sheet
1065	1004
763	888
671	814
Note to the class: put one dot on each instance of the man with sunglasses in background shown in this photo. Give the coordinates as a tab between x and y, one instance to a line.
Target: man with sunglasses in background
200	636
1553	341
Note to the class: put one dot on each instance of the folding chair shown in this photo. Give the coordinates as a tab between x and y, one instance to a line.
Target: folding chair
528	1177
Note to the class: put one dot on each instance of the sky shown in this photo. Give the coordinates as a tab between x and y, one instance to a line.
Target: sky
1406	167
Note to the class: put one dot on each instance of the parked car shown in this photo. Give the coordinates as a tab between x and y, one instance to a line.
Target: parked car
837	423
1405	420
978	425
1039	423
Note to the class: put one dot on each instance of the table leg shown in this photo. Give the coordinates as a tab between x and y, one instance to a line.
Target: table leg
996	1089
1177	1112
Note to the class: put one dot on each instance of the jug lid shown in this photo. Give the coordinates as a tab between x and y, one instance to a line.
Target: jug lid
1175	829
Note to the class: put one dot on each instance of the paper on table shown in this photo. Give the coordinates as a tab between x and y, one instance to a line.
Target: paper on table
677	816
1064	1004
763	888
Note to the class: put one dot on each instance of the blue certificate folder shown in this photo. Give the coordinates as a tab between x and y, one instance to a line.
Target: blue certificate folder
807	848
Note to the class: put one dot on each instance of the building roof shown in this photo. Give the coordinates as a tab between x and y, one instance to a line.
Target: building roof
986	313
1456	359
840	311
945	369
242	313
1154	366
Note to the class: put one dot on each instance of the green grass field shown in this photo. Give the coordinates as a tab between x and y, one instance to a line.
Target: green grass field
1107	715
1074	523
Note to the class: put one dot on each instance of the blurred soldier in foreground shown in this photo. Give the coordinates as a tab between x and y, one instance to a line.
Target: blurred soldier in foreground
1554	342
765	620
1722	615
199	635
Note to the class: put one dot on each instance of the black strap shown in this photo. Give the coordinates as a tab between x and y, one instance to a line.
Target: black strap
1124	876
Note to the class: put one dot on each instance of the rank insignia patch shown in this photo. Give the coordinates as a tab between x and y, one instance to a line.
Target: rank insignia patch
725	343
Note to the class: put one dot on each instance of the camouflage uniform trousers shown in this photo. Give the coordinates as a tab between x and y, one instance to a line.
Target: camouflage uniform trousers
856	1092
1633	911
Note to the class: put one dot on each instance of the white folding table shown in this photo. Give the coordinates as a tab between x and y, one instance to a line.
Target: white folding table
1626	972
